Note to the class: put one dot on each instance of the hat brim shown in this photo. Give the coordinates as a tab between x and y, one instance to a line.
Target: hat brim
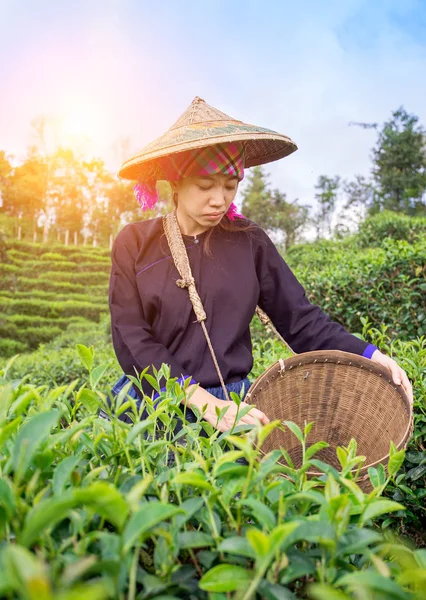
261	146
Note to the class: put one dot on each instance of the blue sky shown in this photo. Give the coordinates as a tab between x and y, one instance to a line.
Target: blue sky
125	70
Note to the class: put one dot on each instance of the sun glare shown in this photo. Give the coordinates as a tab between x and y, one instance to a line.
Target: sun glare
79	124
80	128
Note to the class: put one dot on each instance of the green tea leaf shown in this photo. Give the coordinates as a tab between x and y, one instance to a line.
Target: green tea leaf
332	488
150	515
315	448
266	431
63	472
355	541
395	462
30	437
89	399
7	499
6	399
295	429
194	539
97	373
152	382
138	429
25	572
281	533
374	477
370	580
273	591
307	429
342	455
225	578
237	545
8	430
137	492
380	507
323	591
262	513
100	496
190	507
416	472
413	576
227	457
86	356
259	542
231	470
88	591
193	479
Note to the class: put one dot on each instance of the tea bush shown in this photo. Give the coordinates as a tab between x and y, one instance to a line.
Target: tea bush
387	284
56	363
388	224
15	283
79	278
26	249
100	508
44	308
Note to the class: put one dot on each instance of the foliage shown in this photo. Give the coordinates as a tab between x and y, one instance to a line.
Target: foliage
55	363
326	197
37	301
271	210
385	283
136	511
400	164
409	486
388	224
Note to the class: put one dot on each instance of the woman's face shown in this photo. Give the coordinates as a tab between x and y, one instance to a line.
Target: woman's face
203	201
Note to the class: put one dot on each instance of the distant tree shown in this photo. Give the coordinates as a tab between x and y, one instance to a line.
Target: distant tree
399	165
359	198
271	210
66	192
326	197
288	217
257	198
23	195
5	171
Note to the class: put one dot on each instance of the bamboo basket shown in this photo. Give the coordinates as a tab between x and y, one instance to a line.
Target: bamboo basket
346	395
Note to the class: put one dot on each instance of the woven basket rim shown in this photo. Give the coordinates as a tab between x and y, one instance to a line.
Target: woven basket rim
334	357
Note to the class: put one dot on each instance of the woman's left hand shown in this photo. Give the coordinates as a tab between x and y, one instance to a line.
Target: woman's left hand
399	376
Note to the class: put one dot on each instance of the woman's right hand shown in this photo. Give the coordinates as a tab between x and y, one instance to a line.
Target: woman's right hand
200	397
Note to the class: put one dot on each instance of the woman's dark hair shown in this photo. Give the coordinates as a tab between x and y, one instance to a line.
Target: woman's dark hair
239	224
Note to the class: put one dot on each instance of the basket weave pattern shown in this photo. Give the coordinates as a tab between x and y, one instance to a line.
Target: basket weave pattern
203	125
346	395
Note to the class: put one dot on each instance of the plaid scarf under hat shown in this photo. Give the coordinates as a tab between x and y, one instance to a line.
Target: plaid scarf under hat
227	159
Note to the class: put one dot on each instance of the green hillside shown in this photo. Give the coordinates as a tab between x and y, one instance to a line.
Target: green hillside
45	290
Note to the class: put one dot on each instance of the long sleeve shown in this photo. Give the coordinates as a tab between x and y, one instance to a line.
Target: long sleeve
133	342
303	325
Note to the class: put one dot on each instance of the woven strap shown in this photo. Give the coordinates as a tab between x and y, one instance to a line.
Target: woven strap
267	323
180	258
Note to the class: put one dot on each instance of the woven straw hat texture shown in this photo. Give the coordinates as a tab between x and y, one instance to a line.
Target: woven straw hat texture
203	125
346	395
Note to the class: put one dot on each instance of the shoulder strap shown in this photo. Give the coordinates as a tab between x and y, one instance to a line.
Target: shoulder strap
180	258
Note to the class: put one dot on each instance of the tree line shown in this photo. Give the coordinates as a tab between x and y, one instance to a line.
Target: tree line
61	196
397	182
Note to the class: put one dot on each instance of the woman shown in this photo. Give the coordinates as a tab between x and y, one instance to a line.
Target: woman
234	264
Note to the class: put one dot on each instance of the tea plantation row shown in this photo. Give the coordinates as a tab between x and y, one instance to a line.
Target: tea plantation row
43	291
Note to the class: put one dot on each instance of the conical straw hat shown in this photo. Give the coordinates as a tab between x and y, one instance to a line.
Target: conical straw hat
202	125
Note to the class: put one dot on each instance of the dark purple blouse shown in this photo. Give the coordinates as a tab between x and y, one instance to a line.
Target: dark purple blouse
153	321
